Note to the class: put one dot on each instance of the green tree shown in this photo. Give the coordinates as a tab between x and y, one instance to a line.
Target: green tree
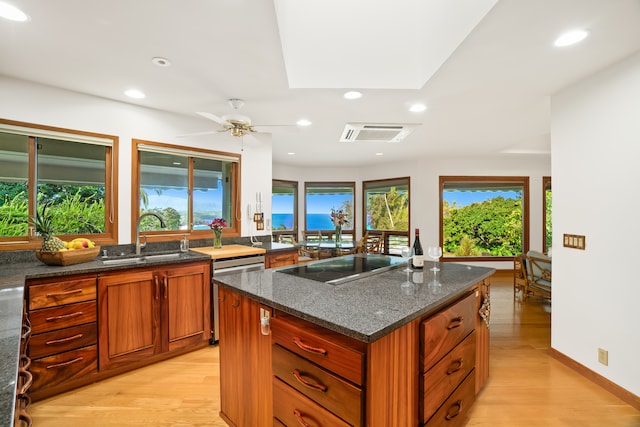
388	211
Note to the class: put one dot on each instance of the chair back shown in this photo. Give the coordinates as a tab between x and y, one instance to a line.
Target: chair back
373	243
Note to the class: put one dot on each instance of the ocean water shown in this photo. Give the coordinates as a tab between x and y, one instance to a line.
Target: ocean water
314	222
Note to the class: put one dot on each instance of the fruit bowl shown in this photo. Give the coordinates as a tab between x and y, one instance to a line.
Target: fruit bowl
68	257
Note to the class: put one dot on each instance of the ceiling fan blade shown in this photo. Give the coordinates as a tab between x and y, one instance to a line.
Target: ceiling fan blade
212	117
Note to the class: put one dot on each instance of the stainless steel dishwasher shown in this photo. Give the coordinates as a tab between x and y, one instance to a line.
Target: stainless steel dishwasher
220	267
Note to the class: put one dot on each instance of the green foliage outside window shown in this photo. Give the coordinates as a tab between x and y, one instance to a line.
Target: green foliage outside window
388	211
492	227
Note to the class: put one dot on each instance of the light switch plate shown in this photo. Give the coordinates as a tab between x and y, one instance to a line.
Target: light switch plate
574	241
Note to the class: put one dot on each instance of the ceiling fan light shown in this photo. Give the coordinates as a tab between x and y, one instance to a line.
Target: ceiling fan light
236	103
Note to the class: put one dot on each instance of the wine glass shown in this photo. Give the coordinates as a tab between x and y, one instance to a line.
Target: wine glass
407	252
434	252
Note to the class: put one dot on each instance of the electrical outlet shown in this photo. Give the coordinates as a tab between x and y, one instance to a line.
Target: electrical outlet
603	356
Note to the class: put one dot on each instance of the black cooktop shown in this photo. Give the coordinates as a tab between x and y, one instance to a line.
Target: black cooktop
345	268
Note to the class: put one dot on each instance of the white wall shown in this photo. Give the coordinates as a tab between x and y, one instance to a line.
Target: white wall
595	136
425	175
27	102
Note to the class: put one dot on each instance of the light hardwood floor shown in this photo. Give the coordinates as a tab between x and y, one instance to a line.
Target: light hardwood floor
526	387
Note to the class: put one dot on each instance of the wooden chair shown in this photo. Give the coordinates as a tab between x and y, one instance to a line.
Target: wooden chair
357	249
373	243
538	269
306	254
287	238
519	275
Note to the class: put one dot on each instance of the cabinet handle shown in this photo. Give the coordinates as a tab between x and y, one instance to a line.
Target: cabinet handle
64	316
60	365
301	420
317	350
25	362
298	376
457	322
236	304
155	280
457	407
455	366
166	286
61	294
63	340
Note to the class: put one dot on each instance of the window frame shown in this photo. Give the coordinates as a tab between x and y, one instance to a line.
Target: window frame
287	184
34	131
165	235
508	180
387	233
337	184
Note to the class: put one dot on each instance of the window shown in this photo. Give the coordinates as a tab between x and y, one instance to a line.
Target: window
386	210
321	197
284	212
70	171
188	188
546	213
484	216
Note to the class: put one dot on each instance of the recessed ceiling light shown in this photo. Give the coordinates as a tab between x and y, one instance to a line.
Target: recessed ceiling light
417	108
160	61
134	93
303	122
352	95
12	13
570	37
291	153
379	154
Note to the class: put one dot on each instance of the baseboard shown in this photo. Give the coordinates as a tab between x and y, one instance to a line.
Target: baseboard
596	378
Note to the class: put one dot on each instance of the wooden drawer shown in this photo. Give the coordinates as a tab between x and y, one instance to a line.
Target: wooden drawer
294	409
280	260
55	370
62	340
50	319
443	331
61	292
452	413
334	352
446	375
332	392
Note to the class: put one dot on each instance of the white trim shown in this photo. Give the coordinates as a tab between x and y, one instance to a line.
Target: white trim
186	153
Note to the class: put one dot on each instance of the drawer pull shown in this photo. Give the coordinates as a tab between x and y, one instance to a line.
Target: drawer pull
63	340
455	323
301	420
166	287
64	316
60	365
317	350
157	287
298	375
457	409
25	362
62	294
455	366
25	418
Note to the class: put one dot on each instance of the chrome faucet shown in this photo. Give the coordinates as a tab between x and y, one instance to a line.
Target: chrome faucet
143	245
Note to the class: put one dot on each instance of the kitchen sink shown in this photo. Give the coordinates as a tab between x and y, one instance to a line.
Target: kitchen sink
140	259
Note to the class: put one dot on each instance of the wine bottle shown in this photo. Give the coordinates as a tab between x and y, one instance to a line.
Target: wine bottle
418	254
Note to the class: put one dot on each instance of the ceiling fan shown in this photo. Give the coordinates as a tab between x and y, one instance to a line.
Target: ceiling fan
237	124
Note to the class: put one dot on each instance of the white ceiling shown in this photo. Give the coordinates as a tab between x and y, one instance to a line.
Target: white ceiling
489	97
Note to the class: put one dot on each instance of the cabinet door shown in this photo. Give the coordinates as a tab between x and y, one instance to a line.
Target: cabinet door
186	306
281	259
245	362
129	317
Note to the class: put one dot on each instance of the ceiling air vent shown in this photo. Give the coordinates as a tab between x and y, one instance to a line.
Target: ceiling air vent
376	132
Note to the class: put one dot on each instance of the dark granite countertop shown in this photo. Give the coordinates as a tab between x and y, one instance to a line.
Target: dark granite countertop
366	308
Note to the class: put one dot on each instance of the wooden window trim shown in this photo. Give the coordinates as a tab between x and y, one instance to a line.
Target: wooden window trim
312	184
524	180
293	184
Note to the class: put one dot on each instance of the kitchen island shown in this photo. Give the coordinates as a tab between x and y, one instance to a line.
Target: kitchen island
399	348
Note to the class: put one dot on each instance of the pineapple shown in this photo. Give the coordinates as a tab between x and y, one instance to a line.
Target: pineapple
44	226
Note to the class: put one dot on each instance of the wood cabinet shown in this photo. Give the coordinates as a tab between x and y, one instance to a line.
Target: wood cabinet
63	344
318	375
281	258
245	361
426	372
145	312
